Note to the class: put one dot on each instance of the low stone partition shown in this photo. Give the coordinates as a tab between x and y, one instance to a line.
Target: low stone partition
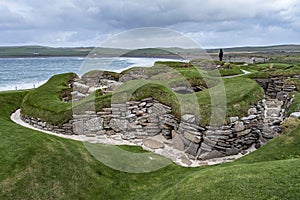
66	129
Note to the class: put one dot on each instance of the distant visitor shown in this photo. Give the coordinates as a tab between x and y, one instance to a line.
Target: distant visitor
221	55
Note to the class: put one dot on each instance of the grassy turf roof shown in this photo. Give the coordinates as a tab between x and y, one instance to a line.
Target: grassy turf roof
45	102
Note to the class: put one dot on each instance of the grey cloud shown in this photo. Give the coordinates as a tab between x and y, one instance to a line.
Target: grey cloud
150	37
212	22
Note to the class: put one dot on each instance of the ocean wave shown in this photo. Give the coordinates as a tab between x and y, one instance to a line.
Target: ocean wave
21	86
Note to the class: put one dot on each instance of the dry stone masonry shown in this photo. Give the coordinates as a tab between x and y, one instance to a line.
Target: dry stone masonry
276	88
147	119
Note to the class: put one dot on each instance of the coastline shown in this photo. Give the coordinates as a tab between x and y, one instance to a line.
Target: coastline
38	75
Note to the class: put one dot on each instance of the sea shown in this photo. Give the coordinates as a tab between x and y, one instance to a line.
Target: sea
31	72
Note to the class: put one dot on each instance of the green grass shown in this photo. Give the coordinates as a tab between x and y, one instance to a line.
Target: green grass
236	99
295	106
265	180
38	166
175	73
45	102
285	146
174	64
99	73
240	94
279	69
294	81
287	58
35	165
233	70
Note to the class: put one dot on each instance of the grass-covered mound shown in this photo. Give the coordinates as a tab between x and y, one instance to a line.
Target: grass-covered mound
35	165
237	99
160	93
223	70
240	93
45	102
99	73
175	72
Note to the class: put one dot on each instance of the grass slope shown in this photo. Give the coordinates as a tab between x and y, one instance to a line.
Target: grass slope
39	166
45	102
264	180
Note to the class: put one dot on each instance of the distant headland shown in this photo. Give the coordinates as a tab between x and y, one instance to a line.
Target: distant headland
173	52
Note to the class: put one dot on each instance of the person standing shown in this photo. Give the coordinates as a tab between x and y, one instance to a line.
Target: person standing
221	55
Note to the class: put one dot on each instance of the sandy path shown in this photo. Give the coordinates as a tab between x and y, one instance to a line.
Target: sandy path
244	73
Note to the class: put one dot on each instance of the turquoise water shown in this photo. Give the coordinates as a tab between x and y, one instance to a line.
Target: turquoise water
24	73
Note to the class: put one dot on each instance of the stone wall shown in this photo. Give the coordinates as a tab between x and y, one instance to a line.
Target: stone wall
66	128
135	119
148	118
275	87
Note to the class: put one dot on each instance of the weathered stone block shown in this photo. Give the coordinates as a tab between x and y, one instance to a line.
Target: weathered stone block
210	155
153	144
192	149
143	104
94	124
78	127
250	117
191	137
252	111
188	118
295	115
101	132
243	133
177	142
209	142
119	125
205	147
232	151
233	119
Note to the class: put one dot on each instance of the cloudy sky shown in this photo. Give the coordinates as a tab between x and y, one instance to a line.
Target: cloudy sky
211	23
